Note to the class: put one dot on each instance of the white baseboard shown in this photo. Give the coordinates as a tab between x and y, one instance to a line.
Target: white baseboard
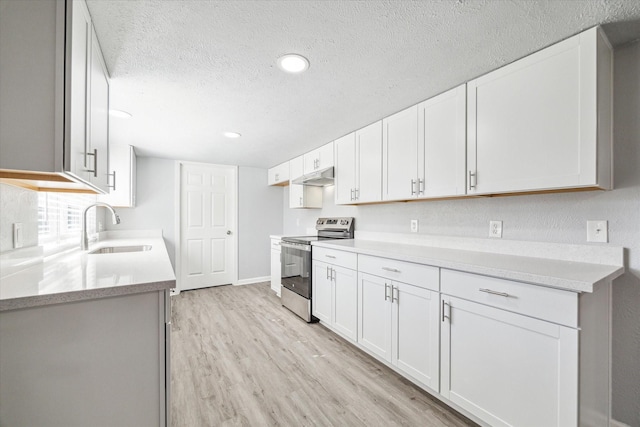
252	280
615	423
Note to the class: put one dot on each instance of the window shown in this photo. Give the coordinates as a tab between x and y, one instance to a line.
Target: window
60	219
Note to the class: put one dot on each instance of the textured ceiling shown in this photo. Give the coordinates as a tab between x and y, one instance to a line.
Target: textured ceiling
190	70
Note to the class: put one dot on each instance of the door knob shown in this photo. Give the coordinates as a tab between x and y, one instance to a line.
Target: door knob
228	232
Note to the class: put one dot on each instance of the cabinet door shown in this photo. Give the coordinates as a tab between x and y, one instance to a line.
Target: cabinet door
275	271
122	186
278	175
296	168
533	124
296	196
98	151
325	156
400	155
345	169
369	163
416	334
442	144
81	65
374	315
322	292
345	302
311	161
508	369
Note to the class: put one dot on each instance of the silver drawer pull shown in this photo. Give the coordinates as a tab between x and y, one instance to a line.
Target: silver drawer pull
330	256
393	270
489	291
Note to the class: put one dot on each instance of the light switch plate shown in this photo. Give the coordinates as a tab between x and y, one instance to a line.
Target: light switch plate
414	225
17	235
597	231
495	229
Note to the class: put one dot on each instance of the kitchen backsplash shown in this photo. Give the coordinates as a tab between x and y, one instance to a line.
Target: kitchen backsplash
18	206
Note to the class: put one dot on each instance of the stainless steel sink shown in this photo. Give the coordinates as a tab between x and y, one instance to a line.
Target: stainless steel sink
119	249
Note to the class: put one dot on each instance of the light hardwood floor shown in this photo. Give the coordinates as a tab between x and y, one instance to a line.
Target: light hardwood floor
239	358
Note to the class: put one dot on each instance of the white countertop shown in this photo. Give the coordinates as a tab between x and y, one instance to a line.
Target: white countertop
566	275
77	275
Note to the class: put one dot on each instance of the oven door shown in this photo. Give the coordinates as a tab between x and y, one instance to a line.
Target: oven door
295	266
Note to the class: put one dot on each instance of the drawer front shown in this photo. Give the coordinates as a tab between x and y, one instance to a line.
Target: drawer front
424	276
332	256
275	244
553	305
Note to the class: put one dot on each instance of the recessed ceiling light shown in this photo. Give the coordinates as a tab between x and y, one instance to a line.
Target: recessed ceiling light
293	63
119	113
232	134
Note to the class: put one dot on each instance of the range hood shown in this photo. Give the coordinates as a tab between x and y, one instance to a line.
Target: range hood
319	178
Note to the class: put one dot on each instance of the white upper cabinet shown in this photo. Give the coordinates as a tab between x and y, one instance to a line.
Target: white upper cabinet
346	169
320	158
369	163
543	122
400	155
359	166
98	112
302	196
67	94
122	184
296	168
442	144
279	175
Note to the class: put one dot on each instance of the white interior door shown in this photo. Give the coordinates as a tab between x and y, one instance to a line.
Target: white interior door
208	195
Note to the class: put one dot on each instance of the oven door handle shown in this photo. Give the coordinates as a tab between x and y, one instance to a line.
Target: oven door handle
306	248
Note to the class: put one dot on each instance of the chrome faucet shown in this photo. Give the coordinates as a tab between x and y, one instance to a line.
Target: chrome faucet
84	243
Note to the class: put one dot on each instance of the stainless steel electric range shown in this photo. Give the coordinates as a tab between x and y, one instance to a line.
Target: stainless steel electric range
295	262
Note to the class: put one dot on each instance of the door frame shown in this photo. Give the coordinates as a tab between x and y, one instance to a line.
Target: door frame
178	220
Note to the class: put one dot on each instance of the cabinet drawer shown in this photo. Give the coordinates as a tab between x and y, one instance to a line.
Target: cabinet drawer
332	256
275	244
549	304
424	276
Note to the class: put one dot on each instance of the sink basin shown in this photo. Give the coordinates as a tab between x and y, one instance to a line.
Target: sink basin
119	249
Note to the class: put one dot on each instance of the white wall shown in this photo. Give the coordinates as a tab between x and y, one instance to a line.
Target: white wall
259	215
547	218
154	202
259	206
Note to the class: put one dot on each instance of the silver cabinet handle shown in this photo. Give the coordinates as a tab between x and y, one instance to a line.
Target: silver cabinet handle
413	187
328	275
386	294
357	194
277	177
393	270
471	175
228	232
333	274
300	201
95	162
420	186
114	181
330	256
492	292
395	293
352	194
443	315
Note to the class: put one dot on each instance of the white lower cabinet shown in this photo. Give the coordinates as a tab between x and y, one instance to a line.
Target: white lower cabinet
276	272
335	298
399	323
508	369
505	353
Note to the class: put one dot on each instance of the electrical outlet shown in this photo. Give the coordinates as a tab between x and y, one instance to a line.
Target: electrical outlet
414	225
597	231
17	235
495	229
